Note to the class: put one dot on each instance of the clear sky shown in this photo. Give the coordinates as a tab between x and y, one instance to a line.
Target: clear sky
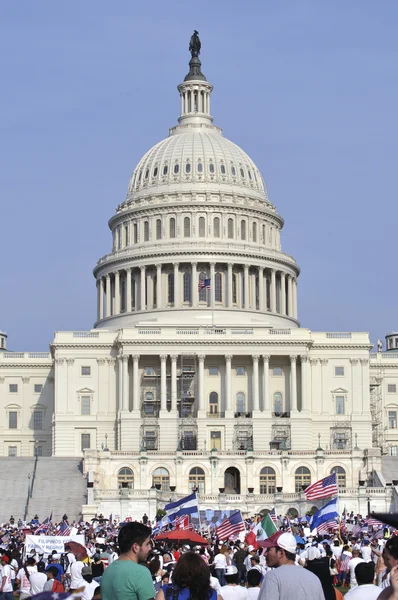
308	88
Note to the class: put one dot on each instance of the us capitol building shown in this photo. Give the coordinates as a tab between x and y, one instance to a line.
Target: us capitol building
181	387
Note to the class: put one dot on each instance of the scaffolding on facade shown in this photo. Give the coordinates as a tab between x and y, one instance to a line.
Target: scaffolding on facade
376	408
186	386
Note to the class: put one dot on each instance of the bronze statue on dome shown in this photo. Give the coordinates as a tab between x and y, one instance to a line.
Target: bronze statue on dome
195	44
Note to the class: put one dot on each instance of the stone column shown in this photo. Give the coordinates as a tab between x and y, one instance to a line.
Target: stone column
101	298
229	280
174	358
290	295
117	292
356	386
273	290
315	405
120	381
246	285
201	381
128	289
125	382
255	384
98	299
212	284
304	380
163	382
111	401
283	294
159	299
365	386
108	294
176	285
323	362
136	382
293	383
228	379
295	312
142	287
194	285
261	288
266	406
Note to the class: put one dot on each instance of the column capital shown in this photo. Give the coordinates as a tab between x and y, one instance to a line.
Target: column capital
176	265
255	357
142	268
174	357
201	358
303	358
194	264
163	358
111	361
124	358
70	361
228	357
272	270
313	361
354	361
323	361
108	276
246	267
283	274
266	357
136	357
25	379
364	361
230	265
158	266
101	361
116	273
293	358
212	264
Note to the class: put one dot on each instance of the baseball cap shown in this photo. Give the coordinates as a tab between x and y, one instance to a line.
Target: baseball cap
231	570
86	570
284	540
5	558
251	548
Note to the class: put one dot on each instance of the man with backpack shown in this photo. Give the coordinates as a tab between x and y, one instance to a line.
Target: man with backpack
52	584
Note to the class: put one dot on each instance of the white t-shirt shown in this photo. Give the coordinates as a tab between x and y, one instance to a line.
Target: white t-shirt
233	592
363	592
366	553
14	568
215	584
252	593
220	562
337	551
89	589
351	567
25	582
76	579
37	581
6	572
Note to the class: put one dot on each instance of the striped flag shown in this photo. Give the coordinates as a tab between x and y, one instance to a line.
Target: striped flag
181	522
328	526
373	523
323	488
63	529
203	283
273	516
231	526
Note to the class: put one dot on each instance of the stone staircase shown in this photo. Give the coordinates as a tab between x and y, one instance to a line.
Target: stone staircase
389	468
14	483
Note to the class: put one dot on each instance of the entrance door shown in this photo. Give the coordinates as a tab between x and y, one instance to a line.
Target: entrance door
232	481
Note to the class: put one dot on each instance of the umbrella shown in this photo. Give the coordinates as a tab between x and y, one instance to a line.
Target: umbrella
76	549
182	536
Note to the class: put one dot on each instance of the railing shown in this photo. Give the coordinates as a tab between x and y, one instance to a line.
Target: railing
86	334
243	415
8	355
281	415
142	331
215	331
280	331
219	415
242	331
187	331
339	335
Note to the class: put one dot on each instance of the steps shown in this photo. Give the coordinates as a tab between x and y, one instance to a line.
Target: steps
14	482
389	468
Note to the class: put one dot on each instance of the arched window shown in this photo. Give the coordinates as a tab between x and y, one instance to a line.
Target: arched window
278	403
234	288
125	478
155	172
222	170
187	227
243	230
211	167
154	290
187	287
172	227
202	227
264	234
147	174
146	231
165	169
230	228
161	479
149	408
170	288
341	477
302	478
133	294
233	171
176	169
249	173
254	231
135	233
199	167
187	167
218	287
197	479
242	173
158	229
202	291
216	227
257	290
213	403
267	481
240	403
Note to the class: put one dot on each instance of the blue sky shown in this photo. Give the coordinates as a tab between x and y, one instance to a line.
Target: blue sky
309	89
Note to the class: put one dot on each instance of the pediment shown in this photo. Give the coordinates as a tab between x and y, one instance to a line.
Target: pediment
339	391
85	391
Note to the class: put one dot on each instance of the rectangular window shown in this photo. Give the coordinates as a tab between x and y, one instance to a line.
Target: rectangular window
38	388
85	441
12	451
86	370
240	371
38	451
340	405
149	371
339	371
393	450
277	371
12	419
340	441
392	388
392	419
189	440
13	388
213	370
150	440
86	405
37	419
215	440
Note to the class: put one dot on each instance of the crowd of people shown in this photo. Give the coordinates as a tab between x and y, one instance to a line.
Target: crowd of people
125	561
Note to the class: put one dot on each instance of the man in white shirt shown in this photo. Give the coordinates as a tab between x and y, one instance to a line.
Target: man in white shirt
351	567
76	577
23	578
37	580
6	590
366	551
233	591
365	590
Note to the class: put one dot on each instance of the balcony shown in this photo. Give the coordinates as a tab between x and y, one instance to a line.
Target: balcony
281	415
187	412
218	415
243	415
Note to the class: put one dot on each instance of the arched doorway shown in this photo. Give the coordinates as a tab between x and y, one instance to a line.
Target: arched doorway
232	481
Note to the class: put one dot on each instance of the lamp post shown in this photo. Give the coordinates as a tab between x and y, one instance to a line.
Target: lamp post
368	501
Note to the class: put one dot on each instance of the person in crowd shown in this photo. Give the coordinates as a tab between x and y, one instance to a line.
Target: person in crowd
390	556
232	590
220	562
53	561
6	589
320	566
364	576
97	567
251	551
191	580
356	559
89	585
76	577
53	584
254	579
37	579
23	578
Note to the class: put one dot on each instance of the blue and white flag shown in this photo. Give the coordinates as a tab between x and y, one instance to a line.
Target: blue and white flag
326	513
185	506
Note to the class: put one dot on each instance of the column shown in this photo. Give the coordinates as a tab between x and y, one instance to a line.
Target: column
108	294
194	285
117	292
201	381
273	291
98	299
125	382
159	299
176	285
212	284
228	378
293	383
163	382
142	287
136	382
255	390
356	386
246	284
324	399
128	289
229	282
120	382
261	287
101	298
266	406
182	104
295	313
304	379
283	293
174	382
290	295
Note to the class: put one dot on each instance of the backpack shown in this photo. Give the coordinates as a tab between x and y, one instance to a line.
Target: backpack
57	586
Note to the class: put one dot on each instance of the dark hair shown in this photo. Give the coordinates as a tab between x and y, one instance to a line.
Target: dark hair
255	558
133	533
253	577
365	572
392	547
53	571
40	567
289	555
30	562
232	578
192	572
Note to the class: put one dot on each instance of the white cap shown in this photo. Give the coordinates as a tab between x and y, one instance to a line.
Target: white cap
231	570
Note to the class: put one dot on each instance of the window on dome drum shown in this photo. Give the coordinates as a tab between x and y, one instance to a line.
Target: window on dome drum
133	294
211	167
216	227
234	288
154	288
125	478
172	227
85	441
202	227
147	174
187	227
13	388
230	229
264	235
197	480
187	167
240	371
233	171
37	419
242	173
202	291
222	169
12	451
119	238
126	235
187	287
38	388
165	169
339	371
213	403
392	388
254	232
278	403
155	172
340	402
249	173
85	370
176	169
243	230
135	233
146	231
85	405
277	371
199	167
170	288
267	481
161	479
213	370
158	229
240	403
341	478
393	450
302	479
13	419
218	287
392	419
139	177
257	290
215	440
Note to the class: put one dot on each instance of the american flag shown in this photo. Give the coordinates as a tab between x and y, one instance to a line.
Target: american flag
273	516
52	595
373	523
181	522
328	526
323	488
344	563
63	529
203	283
231	526
45	526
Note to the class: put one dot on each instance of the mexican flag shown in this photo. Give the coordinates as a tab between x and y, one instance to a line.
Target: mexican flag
265	528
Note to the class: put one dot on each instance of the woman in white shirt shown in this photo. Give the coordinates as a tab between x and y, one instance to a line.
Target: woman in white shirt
220	562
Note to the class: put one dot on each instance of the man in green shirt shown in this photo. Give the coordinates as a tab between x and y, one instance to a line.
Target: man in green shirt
125	579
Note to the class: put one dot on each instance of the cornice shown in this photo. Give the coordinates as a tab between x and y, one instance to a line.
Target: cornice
26	364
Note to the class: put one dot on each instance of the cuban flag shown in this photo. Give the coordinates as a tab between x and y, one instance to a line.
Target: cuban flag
186	506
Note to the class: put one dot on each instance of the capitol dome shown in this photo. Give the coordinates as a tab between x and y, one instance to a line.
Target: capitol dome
196	239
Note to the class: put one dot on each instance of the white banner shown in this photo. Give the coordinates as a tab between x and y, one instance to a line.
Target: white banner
45	544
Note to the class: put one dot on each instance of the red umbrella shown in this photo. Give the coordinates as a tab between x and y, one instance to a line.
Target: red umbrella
76	549
182	536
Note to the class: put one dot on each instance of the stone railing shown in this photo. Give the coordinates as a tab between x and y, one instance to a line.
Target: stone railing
25	355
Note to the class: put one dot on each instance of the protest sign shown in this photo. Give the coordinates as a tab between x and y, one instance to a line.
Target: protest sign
45	544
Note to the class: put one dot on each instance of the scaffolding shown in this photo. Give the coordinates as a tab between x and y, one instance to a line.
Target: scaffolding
150	392
280	437
341	434
243	437
376	408
186	386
